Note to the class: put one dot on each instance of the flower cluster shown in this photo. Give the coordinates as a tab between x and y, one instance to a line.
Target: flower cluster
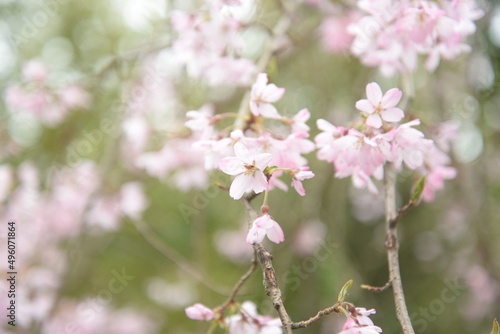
362	151
208	44
391	34
37	96
246	321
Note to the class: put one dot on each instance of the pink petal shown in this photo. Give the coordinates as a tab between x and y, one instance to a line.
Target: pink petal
241	184
255	234
275	234
268	110
392	115
272	93
374	121
242	152
297	184
374	93
259	182
325	125
263	160
302	116
365	106
232	166
264	222
391	98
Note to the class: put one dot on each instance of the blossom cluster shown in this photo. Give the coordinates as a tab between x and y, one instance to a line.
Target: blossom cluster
210	46
362	151
359	323
42	99
391	34
245	321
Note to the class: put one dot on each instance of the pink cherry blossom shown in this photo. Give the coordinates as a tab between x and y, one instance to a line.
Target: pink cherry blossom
248	168
262	226
299	125
300	176
199	312
361	324
35	70
262	95
380	107
250	322
200	120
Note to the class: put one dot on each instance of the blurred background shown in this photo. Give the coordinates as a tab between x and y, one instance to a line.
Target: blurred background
118	232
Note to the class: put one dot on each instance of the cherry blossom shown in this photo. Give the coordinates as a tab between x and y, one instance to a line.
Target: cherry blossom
380	107
262	226
300	176
200	312
360	324
250	322
262	95
248	168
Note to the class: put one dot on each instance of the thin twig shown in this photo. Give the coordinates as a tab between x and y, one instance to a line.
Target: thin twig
152	239
238	285
392	246
376	288
319	315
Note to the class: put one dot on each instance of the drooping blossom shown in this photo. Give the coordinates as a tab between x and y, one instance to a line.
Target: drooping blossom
297	179
262	95
248	321
380	107
249	170
262	226
360	323
199	312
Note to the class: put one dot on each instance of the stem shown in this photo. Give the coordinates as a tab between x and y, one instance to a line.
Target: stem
392	246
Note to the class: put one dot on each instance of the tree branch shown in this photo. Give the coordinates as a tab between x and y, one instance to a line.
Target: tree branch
392	246
319	315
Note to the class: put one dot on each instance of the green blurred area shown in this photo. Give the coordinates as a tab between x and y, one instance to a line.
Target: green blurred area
99	43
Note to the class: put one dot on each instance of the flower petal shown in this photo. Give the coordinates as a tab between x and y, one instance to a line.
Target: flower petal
391	98
255	234
374	121
392	114
365	106
275	233
242	152
272	93
259	182
374	93
232	166
268	110
264	222
263	160
241	184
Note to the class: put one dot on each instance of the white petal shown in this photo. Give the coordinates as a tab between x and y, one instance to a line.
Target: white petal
391	98
374	93
259	182
365	105
392	115
275	234
240	185
232	166
263	160
374	121
242	152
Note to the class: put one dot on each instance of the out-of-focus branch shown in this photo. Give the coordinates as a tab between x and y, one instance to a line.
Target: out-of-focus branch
151	237
392	246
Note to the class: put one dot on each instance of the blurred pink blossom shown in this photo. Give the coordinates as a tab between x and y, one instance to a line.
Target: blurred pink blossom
262	226
262	95
199	312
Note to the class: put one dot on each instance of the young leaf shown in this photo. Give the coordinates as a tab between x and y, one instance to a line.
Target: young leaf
345	290
495	329
418	190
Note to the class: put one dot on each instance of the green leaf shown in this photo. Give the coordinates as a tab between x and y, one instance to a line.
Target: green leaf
345	291
418	190
495	329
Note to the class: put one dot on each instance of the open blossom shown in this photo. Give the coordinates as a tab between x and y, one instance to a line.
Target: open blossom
300	176
249	170
199	312
250	322
262	95
362	324
262	226
380	107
